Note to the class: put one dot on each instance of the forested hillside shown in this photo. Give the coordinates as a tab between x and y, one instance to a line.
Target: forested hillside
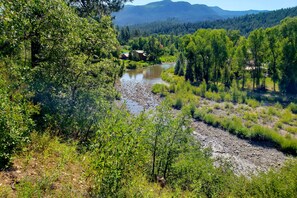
244	23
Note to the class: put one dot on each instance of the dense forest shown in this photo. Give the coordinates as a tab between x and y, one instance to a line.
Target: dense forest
61	133
220	56
245	24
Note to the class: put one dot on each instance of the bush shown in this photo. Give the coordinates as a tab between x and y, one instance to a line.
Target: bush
252	103
209	95
293	107
172	88
273	111
292	130
243	97
199	114
287	117
228	98
15	124
159	89
197	91
216	97
251	116
178	104
278	106
203	88
235	92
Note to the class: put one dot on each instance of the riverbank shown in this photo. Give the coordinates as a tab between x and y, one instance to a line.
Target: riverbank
246	157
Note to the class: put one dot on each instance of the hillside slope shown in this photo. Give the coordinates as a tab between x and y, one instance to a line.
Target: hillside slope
180	11
245	24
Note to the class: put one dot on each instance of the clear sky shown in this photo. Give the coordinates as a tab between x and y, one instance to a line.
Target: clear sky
236	4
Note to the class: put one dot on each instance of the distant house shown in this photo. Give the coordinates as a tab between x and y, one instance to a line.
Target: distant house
138	55
124	56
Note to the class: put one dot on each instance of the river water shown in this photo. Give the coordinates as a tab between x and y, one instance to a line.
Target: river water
135	87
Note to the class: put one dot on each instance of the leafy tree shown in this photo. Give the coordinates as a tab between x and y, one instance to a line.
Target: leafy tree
257	47
73	72
241	58
167	140
272	36
288	81
153	48
180	65
219	51
97	8
118	150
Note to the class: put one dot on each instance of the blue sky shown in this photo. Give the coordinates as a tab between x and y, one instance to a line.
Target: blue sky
236	4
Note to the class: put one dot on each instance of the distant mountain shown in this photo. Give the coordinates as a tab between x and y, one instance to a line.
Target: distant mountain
245	24
180	11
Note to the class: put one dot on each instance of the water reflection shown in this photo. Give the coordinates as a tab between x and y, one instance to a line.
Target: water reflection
150	74
134	87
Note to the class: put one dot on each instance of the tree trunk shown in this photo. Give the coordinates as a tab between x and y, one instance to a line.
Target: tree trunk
35	50
154	157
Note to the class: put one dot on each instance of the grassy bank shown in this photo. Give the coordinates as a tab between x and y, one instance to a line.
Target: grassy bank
233	110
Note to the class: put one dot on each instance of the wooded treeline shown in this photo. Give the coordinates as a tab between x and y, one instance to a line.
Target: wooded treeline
220	56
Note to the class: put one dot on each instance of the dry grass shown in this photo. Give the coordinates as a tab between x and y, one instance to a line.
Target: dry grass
46	168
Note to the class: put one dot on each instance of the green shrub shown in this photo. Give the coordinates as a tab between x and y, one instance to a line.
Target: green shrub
278	125
203	88
172	88
278	106
234	126
192	109
227	98
228	105
293	107
243	96
216	97
159	89
252	103
216	106
235	92
211	120
131	65
251	116
287	116
273	111
199	114
178	104
197	91
15	122
292	130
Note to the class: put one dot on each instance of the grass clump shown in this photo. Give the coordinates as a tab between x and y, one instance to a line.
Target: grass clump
178	104
160	89
252	103
287	116
292	130
293	107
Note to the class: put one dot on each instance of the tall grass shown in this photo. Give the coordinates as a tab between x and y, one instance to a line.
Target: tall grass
256	132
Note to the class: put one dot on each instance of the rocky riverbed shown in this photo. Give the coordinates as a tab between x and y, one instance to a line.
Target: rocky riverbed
245	157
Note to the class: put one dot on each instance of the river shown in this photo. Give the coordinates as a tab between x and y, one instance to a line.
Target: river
135	87
246	157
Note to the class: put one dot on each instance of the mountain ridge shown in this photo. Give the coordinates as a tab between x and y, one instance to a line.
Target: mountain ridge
181	11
